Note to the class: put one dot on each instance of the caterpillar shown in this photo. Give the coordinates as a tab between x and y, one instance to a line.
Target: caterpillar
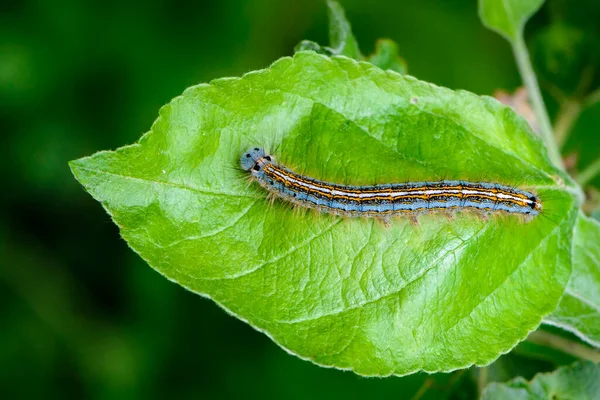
386	200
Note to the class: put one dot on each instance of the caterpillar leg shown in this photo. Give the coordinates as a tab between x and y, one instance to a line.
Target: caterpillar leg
485	216
386	221
450	216
414	220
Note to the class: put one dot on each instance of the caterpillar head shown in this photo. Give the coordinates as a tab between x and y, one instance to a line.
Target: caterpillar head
535	204
254	160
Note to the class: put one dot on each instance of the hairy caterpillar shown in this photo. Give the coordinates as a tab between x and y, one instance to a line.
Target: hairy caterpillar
386	200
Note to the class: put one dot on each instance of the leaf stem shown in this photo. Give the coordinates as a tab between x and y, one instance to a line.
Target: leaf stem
592	98
589	173
482	379
565	345
424	388
571	108
430	383
528	76
567	115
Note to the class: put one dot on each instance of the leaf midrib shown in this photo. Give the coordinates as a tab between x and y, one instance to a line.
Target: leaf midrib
404	156
162	183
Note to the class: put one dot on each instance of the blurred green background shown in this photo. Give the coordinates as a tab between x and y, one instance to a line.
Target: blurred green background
83	316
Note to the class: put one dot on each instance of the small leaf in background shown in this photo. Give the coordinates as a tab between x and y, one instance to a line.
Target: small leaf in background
347	293
507	17
342	42
579	309
386	57
309	45
579	381
526	360
341	38
596	215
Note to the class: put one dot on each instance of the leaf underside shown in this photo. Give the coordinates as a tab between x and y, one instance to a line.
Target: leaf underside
579	309
579	381
347	293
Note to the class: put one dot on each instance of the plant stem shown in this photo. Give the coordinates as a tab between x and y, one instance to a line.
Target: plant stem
589	173
570	109
567	115
426	385
592	98
528	76
564	345
482	379
430	383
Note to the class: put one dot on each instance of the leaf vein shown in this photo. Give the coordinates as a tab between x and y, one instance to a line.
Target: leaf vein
588	302
167	183
418	276
550	234
214	232
307	242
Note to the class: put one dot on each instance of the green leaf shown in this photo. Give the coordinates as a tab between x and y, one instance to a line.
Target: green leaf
309	45
341	38
526	360
386	57
507	17
579	381
347	293
579	309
